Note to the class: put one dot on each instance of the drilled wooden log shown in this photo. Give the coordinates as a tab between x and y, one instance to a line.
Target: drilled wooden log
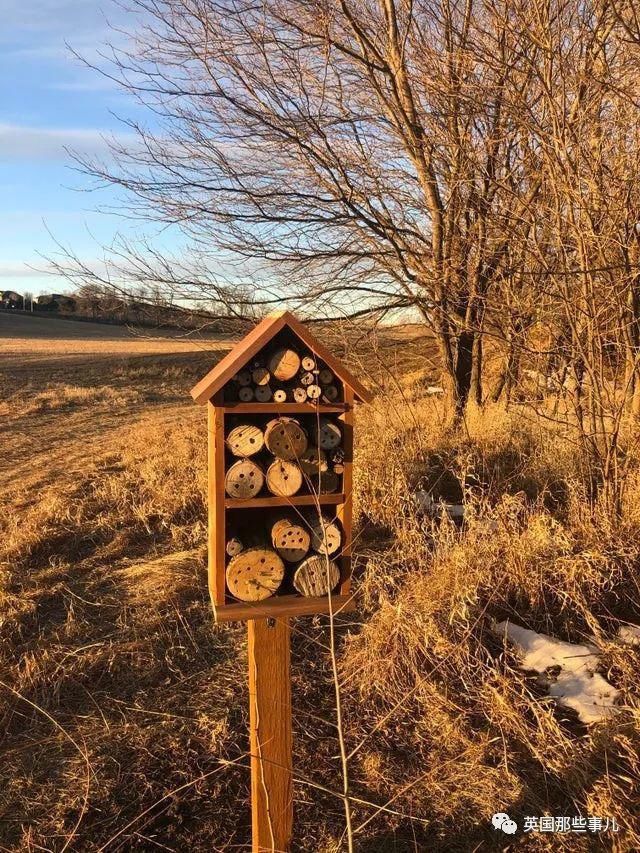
285	438
325	376
263	393
279	395
245	440
243	377
290	539
254	574
246	394
313	462
284	478
330	393
244	480
326	537
328	434
284	364
308	362
337	467
234	546
299	394
314	392
306	379
329	482
317	575
261	376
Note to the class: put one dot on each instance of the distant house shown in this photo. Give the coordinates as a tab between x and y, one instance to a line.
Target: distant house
56	302
11	299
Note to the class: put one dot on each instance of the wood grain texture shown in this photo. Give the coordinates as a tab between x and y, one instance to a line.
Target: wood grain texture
344	511
215	500
316	576
284	478
290	539
282	606
326	537
245	440
293	500
244	479
302	408
270	735
285	438
284	364
254	574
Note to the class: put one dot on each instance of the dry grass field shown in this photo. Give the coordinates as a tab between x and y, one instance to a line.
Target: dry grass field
122	708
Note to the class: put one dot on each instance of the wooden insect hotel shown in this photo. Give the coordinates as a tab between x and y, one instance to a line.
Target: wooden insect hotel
280	424
280	414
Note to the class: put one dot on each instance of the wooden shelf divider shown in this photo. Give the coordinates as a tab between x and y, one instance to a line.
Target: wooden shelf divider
232	408
283	606
294	500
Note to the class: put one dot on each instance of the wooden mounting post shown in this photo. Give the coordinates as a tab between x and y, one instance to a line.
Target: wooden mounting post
270	735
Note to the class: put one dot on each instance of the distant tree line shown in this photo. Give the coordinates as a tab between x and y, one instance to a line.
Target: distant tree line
145	307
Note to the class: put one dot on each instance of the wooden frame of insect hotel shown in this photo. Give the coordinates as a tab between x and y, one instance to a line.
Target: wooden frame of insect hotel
280	426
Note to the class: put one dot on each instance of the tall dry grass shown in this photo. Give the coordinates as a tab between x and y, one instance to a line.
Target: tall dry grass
123	708
447	725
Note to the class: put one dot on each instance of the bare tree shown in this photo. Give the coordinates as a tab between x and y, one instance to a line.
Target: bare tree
364	157
471	165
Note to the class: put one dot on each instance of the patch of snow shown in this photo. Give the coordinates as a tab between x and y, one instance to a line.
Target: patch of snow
426	504
577	684
629	634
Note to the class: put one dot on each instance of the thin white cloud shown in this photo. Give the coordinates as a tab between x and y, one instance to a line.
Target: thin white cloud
19	143
21	271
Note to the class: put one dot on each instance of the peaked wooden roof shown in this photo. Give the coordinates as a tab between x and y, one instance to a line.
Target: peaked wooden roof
252	343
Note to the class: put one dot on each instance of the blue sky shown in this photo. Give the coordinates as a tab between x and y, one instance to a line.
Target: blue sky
49	101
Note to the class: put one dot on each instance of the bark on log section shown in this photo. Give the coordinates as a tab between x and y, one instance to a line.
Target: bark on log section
284	478
245	440
255	574
291	540
317	575
284	364
244	480
285	438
